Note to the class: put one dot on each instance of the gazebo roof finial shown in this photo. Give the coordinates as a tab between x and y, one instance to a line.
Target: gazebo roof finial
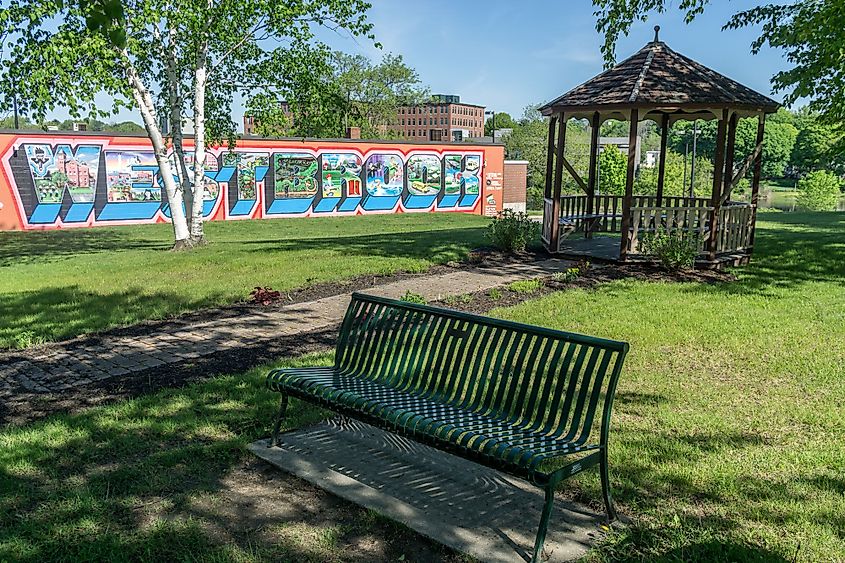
656	34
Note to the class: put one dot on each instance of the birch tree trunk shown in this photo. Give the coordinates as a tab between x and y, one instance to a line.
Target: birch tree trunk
144	100
200	79
176	103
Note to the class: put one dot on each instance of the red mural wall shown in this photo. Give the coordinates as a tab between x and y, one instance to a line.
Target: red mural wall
52	180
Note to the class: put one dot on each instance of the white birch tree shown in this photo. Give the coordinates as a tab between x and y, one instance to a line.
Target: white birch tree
179	58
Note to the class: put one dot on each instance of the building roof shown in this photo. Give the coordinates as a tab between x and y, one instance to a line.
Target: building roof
658	78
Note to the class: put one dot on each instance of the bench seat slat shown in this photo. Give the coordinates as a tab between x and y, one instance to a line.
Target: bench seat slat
394	405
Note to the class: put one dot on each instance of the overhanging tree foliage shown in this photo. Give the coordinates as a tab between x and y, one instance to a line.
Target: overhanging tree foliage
168	58
810	32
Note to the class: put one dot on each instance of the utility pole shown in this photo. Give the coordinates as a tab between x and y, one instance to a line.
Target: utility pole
493	113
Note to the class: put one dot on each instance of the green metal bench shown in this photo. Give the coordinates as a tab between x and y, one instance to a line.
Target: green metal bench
519	398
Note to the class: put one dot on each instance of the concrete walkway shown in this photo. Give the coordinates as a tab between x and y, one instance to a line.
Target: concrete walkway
64	366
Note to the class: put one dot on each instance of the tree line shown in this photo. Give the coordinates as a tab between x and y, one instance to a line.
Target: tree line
797	144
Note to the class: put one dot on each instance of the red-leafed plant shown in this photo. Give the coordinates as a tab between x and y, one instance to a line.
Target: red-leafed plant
264	296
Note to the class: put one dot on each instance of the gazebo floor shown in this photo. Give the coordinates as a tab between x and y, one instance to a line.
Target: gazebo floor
605	247
600	247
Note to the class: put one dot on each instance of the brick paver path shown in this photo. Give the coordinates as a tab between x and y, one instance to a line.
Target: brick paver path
61	367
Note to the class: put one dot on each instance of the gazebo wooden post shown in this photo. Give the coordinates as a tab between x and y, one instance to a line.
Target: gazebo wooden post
661	166
629	186
592	180
755	178
718	174
548	192
558	184
729	155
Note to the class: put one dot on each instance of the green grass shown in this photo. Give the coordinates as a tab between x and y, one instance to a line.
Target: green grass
60	284
727	440
167	477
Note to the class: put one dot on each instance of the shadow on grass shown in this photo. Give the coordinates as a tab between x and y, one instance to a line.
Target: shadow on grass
438	245
166	477
46	246
795	248
55	313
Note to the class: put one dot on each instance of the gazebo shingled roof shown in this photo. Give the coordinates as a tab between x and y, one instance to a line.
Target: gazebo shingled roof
658	77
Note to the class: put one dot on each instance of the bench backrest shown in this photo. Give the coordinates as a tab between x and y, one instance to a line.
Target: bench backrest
547	380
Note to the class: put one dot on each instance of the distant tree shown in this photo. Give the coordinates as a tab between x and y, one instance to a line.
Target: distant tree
503	121
24	124
778	143
673	184
819	191
528	141
817	147
124	127
777	148
613	168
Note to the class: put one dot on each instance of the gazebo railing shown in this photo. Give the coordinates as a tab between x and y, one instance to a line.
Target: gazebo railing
736	226
610	207
676	213
651	220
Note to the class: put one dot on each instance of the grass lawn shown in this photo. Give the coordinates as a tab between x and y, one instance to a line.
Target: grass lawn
728	438
726	441
59	284
167	478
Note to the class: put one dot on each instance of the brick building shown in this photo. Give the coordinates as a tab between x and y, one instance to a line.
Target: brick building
444	118
515	185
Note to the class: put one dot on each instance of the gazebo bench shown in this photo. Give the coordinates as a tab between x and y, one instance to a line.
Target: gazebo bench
590	221
514	397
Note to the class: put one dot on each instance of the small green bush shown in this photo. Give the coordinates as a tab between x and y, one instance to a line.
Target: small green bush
411	297
525	286
676	250
495	294
819	191
512	231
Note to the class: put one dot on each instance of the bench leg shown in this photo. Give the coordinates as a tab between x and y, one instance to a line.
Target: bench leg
544	525
283	407
605	487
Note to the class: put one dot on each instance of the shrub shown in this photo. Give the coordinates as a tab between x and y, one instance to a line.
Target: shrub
819	191
511	231
495	294
676	250
411	297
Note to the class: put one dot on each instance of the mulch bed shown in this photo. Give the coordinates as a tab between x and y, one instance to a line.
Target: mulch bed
23	407
590	276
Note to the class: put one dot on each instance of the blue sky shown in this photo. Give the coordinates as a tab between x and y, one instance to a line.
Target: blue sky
506	55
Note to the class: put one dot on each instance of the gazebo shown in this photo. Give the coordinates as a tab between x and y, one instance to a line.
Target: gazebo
659	84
